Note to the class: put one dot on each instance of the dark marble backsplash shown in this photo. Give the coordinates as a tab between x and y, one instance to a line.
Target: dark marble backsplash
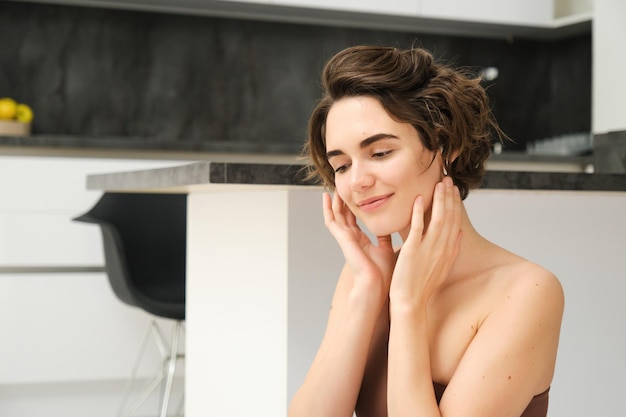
162	77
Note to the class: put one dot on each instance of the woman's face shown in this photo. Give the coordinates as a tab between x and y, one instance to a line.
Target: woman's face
380	165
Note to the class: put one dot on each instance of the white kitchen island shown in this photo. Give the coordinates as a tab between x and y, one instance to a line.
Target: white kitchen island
262	267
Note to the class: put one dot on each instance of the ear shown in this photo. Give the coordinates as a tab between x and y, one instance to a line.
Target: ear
449	158
455	155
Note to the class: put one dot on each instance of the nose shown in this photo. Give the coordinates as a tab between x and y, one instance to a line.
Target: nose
360	176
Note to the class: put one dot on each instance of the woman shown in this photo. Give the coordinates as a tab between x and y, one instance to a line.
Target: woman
450	324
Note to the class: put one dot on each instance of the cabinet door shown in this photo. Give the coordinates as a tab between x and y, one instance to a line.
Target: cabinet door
510	12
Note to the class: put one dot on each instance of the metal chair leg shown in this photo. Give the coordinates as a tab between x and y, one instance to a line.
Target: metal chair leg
131	380
167	370
171	369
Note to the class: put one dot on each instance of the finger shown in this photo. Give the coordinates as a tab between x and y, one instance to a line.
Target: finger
344	213
437	211
458	207
442	231
350	217
449	243
333	218
417	218
338	209
449	209
327	209
330	219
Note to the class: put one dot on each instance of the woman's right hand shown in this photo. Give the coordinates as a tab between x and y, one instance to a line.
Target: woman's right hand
370	264
349	359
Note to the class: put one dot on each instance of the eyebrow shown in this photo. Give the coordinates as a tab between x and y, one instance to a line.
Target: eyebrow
364	143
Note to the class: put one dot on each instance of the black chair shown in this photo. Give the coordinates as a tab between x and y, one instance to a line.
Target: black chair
144	240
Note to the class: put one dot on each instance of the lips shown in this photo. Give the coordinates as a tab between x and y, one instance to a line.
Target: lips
373	202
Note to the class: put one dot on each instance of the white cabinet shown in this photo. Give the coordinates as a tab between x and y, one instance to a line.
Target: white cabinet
609	67
510	12
535	18
538	13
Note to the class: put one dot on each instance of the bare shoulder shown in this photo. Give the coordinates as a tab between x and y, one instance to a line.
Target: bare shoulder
531	299
527	306
533	283
526	294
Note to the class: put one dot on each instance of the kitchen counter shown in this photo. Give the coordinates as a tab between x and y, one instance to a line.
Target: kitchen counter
205	174
248	163
236	151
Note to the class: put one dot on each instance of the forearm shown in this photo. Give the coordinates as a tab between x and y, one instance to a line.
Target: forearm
332	385
410	386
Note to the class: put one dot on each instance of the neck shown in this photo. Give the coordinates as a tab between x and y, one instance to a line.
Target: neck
472	252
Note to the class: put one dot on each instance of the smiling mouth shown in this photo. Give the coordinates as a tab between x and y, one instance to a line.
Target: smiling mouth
373	203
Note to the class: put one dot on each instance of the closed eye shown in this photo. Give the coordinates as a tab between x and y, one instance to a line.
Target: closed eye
341	169
380	155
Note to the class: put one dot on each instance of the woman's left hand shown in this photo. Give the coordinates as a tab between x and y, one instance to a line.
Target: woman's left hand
428	253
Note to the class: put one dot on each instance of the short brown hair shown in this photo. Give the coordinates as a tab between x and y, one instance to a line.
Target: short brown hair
448	107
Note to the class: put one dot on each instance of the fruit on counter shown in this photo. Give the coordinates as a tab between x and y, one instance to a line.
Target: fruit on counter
23	113
8	107
14	111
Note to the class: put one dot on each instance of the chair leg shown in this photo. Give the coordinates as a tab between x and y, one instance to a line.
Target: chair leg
166	370
171	369
131	380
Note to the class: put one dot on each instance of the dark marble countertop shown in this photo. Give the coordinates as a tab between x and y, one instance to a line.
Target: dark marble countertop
188	177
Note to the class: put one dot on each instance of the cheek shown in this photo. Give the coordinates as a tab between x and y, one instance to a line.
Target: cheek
420	183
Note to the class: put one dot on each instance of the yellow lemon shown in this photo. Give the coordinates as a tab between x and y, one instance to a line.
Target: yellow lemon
8	107
23	113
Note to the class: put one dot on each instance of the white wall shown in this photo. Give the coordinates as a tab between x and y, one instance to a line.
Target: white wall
609	66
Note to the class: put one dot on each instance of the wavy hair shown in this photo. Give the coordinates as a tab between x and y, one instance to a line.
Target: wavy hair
448	107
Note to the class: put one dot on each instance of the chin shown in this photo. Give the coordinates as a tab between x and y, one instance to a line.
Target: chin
383	228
